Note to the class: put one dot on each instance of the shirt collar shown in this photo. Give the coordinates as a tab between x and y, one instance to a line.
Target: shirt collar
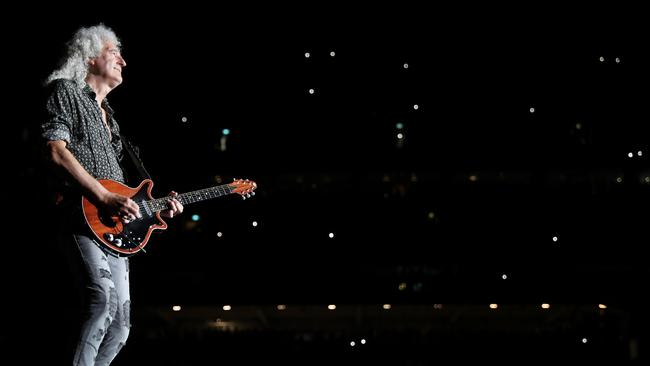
90	93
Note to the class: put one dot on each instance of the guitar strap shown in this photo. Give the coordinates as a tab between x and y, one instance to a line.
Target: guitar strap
133	152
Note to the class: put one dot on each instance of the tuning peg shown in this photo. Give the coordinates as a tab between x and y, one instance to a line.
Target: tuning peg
252	193
243	196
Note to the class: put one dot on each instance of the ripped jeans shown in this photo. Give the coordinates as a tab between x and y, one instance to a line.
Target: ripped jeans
106	319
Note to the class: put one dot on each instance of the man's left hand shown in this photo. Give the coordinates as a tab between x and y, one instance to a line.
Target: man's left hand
175	207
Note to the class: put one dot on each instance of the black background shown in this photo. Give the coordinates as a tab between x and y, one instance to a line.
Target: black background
330	161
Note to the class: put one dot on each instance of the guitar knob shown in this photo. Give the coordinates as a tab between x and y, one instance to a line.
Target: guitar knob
118	242
108	237
243	197
252	193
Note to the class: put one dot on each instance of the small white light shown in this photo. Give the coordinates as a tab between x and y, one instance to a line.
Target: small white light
639	153
363	341
406	66
227	307
546	306
400	135
493	306
602	59
416	107
254	223
176	308
352	343
183	119
555	238
630	155
386	306
331	307
504	276
331	235
618	60
602	306
282	307
532	110
584	340
578	126
307	55
619	180
646	179
219	234
311	91
437	306
332	53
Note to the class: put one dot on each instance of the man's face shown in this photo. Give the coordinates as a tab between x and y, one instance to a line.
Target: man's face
109	64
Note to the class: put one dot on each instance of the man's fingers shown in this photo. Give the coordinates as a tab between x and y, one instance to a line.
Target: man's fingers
133	208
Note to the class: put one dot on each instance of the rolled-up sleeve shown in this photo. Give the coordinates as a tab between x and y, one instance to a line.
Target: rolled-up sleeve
58	120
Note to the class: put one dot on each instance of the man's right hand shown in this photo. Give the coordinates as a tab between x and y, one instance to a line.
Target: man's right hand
122	206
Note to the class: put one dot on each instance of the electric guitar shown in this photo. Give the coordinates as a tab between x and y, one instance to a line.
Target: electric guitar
127	239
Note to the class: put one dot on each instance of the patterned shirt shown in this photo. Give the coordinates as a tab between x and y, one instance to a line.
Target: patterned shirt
74	116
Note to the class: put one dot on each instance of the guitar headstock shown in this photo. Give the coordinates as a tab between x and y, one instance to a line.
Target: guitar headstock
244	187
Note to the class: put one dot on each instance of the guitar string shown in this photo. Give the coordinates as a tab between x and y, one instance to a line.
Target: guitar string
155	204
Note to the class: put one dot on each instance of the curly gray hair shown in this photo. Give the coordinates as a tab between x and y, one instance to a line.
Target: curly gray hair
84	45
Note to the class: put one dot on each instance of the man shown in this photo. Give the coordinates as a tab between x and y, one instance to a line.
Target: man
83	145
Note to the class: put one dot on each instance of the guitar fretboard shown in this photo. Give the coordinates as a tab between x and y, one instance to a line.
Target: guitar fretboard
160	204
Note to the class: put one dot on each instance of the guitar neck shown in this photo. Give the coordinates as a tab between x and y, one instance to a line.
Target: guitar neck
160	204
